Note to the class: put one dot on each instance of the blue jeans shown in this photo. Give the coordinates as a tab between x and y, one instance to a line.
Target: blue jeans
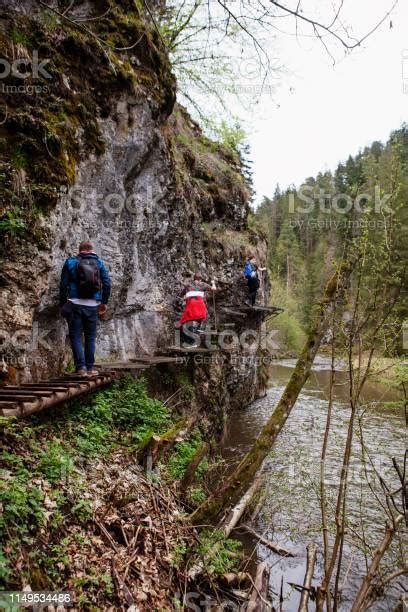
84	319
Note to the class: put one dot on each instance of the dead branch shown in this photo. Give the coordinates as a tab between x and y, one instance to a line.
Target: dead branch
258	599
276	548
366	584
307	582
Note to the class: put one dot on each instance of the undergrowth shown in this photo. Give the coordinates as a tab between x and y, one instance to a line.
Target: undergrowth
40	464
183	454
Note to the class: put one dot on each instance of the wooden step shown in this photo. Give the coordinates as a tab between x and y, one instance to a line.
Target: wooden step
154	359
8	405
24	392
18	398
119	364
39	387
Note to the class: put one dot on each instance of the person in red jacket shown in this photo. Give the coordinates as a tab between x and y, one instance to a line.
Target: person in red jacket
195	313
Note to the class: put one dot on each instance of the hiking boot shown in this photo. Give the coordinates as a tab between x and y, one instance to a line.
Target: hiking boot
92	372
81	372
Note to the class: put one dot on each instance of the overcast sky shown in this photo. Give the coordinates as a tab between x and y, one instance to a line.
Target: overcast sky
321	113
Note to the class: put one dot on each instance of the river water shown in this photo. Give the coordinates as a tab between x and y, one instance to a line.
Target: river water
290	511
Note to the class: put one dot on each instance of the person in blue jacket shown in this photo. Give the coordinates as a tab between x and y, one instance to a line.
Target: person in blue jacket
84	293
252	276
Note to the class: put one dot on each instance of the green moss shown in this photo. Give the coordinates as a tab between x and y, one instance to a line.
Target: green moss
20	38
45	116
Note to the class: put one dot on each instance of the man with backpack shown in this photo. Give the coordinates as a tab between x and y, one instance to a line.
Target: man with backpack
251	274
84	293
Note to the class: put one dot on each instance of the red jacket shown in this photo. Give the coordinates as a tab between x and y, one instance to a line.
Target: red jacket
195	308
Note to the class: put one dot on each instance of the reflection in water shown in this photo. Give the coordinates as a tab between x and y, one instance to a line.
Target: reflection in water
291	511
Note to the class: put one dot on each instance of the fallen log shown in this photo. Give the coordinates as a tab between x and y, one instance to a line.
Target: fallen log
307	582
188	476
258	600
229	524
234	579
276	548
155	446
236	513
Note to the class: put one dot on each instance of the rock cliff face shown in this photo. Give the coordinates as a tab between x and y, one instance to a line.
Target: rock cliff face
109	156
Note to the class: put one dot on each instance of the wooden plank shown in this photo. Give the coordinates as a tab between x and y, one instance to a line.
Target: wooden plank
42	387
269	309
69	385
4	404
231	311
36	393
20	398
153	359
129	366
180	349
111	364
80	379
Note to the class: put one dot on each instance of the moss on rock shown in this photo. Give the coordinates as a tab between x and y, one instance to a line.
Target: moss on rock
52	113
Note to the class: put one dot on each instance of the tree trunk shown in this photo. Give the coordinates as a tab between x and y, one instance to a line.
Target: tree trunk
307	583
154	447
193	465
244	473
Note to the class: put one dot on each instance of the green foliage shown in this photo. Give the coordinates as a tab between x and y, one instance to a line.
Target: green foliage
54	461
394	375
21	501
54	561
4	568
82	510
114	413
197	495
177	554
217	551
182	455
187	389
361	207
230	137
102	582
12	223
19	37
291	335
133	410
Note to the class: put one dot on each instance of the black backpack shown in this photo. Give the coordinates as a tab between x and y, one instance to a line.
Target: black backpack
88	277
